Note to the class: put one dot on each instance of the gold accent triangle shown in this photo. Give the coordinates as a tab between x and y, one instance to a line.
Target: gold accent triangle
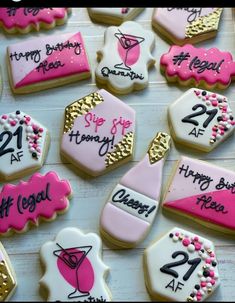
159	147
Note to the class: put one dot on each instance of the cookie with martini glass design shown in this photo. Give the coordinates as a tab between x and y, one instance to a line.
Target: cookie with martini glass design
132	206
74	269
125	58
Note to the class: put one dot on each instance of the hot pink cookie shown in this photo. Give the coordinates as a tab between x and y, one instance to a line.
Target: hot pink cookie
132	206
25	19
98	133
27	202
189	65
47	62
183	25
204	193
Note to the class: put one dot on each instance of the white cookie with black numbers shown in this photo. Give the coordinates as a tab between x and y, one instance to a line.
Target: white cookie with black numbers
181	266
24	143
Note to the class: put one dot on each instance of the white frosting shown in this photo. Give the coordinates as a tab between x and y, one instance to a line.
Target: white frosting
132	62
116	12
199	135
59	288
126	195
160	253
20	159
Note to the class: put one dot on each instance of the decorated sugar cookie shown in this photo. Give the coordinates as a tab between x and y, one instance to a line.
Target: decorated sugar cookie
183	25
24	144
188	65
132	206
201	119
113	15
127	68
203	192
74	270
46	62
181	266
25	19
41	197
98	133
8	282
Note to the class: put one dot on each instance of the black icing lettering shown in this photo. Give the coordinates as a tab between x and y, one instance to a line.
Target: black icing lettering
76	46
223	184
202	180
46	66
207	203
201	66
33	55
5	206
194	12
105	71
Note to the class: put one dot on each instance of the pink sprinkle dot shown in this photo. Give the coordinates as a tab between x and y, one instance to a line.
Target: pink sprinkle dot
197	246
214	103
28	119
212	274
13	123
212	281
186	242
203	284
212	255
232	122
214	134
213	95
196	238
214	128
197	92
38	149
41	130
4	117
222	132
208	261
177	234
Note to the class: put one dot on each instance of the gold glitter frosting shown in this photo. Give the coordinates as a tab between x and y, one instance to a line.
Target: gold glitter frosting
204	24
159	147
79	108
122	150
7	282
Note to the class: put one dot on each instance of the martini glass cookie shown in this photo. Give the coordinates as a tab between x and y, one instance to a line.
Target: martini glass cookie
24	143
132	206
125	58
46	62
182	25
8	281
200	67
201	119
25	19
74	270
41	197
98	133
113	15
202	192
181	267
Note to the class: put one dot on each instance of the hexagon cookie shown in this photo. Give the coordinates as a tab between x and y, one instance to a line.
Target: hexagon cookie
201	119
74	270
8	282
24	144
113	15
182	25
98	133
181	266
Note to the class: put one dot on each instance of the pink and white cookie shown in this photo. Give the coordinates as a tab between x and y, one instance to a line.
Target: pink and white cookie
132	206
24	144
25	19
201	119
182	25
47	62
203	192
74	270
200	67
8	281
41	197
98	133
127	68
181	266
113	15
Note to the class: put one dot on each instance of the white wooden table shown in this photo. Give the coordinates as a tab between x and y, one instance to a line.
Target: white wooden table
126	280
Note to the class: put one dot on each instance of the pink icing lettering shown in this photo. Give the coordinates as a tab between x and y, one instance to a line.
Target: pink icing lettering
124	123
98	121
41	196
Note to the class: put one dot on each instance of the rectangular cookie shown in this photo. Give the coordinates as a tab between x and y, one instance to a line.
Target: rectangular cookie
47	62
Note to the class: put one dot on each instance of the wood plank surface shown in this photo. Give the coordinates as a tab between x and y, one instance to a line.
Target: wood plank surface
126	280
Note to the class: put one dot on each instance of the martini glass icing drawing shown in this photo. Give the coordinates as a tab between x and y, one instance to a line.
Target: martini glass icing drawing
128	49
76	269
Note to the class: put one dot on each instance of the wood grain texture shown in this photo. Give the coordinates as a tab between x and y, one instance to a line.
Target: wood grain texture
126	280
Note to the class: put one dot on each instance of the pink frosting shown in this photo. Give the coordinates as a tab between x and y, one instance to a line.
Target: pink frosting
41	196
123	226
184	192
23	17
30	70
145	178
220	64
